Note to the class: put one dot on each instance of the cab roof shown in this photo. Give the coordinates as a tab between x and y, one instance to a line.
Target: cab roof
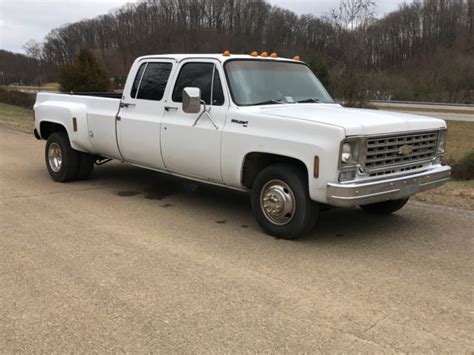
220	57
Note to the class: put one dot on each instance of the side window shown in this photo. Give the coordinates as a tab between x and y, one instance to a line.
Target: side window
199	75
133	92
153	82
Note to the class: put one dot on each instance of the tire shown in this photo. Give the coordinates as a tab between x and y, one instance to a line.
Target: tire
86	166
386	207
61	160
277	185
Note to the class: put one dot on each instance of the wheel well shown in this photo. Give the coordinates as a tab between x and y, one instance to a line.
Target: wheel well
255	162
48	128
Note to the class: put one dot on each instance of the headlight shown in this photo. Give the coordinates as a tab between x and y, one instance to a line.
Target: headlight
346	153
442	141
350	151
353	151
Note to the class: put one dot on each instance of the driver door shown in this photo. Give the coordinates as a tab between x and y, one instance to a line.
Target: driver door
192	146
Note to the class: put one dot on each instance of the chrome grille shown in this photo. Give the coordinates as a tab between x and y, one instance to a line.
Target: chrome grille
384	153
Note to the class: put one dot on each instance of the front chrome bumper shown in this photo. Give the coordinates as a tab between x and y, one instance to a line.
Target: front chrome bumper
363	193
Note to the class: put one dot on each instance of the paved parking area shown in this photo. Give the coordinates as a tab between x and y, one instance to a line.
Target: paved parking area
134	261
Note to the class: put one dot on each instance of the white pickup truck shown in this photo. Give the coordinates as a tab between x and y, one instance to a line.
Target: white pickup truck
252	123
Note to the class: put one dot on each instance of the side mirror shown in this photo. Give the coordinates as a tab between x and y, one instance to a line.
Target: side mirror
191	100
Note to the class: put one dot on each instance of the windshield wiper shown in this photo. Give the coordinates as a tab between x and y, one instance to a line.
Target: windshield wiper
268	102
307	101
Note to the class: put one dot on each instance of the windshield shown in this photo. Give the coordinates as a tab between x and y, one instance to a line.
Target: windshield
262	82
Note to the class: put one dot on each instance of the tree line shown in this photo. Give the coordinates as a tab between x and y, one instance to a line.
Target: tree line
422	51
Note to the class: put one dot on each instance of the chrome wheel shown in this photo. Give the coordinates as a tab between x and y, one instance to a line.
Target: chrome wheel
55	157
278	202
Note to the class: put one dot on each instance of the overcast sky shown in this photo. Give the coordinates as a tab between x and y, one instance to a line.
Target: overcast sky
22	20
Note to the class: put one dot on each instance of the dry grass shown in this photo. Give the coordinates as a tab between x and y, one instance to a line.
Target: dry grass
460	140
459	194
18	118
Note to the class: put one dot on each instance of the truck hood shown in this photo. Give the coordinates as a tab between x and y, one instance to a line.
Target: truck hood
353	121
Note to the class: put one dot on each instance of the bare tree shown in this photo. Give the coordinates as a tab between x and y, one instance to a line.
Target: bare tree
33	49
360	50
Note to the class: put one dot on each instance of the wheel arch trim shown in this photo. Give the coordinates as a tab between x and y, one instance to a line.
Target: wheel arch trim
263	159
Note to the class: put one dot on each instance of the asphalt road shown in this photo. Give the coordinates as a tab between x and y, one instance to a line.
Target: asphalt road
133	261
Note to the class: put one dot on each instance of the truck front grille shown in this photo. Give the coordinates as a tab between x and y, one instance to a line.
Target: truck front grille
389	154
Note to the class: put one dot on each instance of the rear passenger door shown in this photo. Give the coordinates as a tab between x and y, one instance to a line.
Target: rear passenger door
140	116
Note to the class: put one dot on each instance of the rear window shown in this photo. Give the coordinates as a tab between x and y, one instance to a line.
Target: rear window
150	82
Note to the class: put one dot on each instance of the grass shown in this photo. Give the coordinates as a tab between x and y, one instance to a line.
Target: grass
460	141
17	118
459	194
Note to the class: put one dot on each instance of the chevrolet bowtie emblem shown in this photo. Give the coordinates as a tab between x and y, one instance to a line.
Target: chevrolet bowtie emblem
405	150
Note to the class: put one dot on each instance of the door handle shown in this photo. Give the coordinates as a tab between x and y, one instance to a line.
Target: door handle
240	122
170	108
126	104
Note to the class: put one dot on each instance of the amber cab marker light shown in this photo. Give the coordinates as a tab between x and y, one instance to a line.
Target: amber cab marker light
264	54
254	54
226	53
316	167
274	55
296	57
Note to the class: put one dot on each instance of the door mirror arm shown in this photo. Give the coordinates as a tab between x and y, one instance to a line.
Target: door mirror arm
205	112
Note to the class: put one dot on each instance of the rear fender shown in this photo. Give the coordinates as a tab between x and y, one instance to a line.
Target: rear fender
64	114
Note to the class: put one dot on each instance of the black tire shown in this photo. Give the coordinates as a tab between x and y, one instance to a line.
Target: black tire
386	207
86	166
305	213
68	168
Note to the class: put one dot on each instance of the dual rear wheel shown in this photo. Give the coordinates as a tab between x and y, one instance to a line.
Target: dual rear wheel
64	163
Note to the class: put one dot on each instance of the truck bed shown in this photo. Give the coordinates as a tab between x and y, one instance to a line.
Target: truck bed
93	114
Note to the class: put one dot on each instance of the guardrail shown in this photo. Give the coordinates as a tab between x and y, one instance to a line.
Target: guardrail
397	102
466	110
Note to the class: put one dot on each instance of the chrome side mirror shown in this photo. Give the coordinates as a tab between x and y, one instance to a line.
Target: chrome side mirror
191	100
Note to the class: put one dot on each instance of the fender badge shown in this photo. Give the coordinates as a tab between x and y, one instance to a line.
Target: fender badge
405	150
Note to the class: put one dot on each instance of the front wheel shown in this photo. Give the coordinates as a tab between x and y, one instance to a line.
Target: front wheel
386	207
281	202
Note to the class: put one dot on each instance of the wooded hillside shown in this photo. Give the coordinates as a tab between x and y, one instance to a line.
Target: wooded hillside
422	51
